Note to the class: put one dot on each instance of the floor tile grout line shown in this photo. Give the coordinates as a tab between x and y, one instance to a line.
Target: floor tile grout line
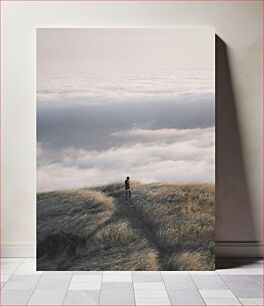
231	288
1	294
100	291
18	266
147	289
4	286
196	287
13	272
10	263
34	289
252	276
249	299
165	287
67	289
261	285
134	293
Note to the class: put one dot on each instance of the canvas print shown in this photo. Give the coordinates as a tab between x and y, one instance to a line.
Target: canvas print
125	149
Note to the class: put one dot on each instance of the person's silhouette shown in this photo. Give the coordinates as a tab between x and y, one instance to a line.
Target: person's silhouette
127	188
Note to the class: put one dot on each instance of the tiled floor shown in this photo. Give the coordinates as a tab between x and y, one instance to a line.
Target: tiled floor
242	284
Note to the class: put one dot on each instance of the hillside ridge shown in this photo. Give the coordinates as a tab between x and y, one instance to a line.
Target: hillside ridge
162	227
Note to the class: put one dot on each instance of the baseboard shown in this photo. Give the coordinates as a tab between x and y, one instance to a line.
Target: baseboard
22	249
239	249
223	249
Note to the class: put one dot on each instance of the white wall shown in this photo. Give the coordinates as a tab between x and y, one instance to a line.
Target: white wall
238	24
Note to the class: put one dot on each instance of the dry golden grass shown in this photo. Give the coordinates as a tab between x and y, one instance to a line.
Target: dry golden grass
182	218
119	233
191	260
118	246
73	211
80	230
163	227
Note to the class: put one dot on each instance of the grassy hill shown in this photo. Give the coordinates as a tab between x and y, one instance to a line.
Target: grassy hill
162	227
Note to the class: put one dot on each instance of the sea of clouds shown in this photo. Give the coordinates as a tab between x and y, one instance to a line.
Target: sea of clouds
99	128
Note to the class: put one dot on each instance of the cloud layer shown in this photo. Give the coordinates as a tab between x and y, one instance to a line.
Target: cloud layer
124	87
148	156
155	126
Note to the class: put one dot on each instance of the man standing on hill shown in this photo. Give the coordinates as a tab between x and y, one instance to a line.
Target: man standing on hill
127	188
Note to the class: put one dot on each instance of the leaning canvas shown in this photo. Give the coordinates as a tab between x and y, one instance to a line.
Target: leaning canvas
125	149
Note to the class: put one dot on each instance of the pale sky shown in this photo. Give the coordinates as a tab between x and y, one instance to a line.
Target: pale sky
83	50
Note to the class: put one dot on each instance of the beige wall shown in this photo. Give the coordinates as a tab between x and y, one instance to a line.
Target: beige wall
239	106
